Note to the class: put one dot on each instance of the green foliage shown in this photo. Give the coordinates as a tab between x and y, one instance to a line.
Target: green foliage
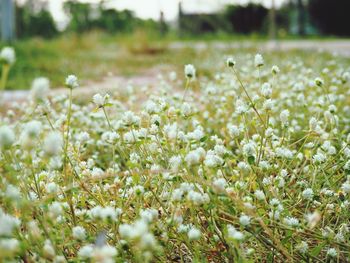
31	23
246	19
332	17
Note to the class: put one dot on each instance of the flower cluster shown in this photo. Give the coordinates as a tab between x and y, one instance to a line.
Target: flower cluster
252	163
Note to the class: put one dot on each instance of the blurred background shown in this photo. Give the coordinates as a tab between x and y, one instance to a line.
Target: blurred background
97	38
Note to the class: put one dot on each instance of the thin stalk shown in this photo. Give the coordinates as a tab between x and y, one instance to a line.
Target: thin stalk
249	98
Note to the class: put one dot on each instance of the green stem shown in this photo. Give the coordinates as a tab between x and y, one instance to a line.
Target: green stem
249	98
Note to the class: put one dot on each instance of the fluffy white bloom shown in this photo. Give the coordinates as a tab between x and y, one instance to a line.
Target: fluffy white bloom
284	116
234	234
190	71
40	88
55	209
291	221
194	234
308	194
258	60
175	162
9	244
233	130
7	224
195	157
212	160
197	198
86	251
104	213
100	100
72	82
266	90
48	249
104	254
302	247
259	195
129	118
8	55
332	252
7	137
79	233
244	220
51	188
133	231
53	143
346	187
275	69
219	185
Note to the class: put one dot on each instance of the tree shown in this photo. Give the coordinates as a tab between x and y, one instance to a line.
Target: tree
330	16
246	19
33	19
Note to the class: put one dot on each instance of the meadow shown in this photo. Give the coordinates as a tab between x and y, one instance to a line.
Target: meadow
230	156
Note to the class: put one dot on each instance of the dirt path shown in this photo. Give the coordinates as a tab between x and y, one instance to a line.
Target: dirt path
149	78
109	84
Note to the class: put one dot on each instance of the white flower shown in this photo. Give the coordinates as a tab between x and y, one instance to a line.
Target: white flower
346	187
79	233
55	209
212	160
190	71
195	157
230	62
258	60
133	231
7	224
53	143
100	100
244	220
72	82
275	69
51	188
259	195
86	251
291	221
40	88
332	252
308	194
48	249
8	55
284	116
104	254
9	244
266	90
194	234
7	137
302	247
234	234
219	185
33	128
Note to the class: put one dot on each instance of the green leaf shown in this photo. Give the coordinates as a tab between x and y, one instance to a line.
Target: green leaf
203	139
316	250
251	159
108	105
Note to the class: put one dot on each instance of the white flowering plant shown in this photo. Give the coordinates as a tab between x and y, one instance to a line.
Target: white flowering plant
252	164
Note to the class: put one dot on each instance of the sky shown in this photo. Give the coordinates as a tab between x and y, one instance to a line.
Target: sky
152	8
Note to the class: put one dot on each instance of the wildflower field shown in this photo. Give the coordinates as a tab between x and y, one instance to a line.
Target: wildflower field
249	162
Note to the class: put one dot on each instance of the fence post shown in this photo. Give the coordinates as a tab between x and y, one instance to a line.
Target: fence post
7	17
